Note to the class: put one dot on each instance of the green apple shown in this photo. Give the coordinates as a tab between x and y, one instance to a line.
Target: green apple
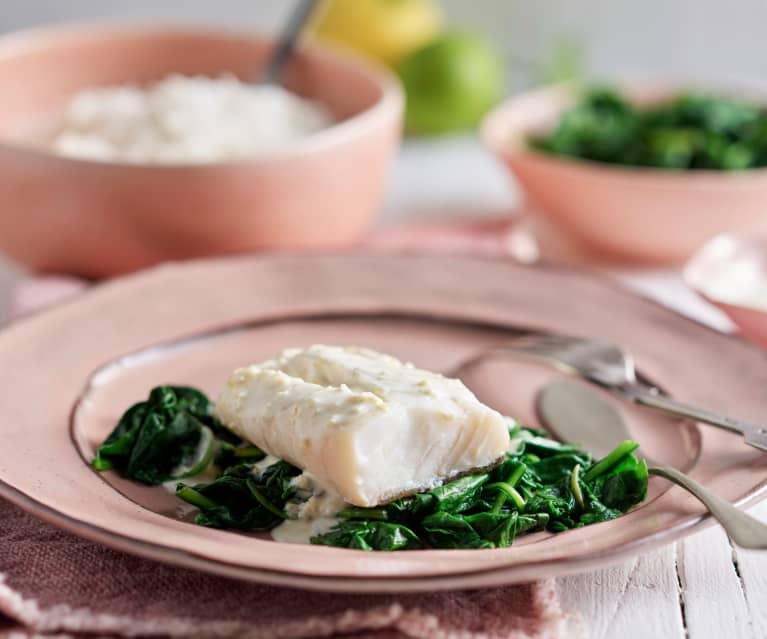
450	83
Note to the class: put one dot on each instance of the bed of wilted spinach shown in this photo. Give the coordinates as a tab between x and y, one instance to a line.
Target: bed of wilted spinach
691	131
543	485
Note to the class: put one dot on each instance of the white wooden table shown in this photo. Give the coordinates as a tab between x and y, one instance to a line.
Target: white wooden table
698	588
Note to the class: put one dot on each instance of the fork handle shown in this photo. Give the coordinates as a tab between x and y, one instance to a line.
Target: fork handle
754	434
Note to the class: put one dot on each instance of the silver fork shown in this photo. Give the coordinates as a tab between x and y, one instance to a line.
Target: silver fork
611	367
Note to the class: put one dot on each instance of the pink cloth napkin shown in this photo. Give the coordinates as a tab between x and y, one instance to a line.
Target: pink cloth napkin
55	584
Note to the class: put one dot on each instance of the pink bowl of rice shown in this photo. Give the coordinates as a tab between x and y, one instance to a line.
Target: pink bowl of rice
122	147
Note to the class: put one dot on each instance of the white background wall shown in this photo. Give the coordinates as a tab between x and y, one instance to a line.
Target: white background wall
715	40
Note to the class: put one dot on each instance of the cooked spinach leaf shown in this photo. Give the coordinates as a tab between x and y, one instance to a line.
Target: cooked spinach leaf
370	535
169	436
450	530
458	495
241	499
410	507
234	454
624	485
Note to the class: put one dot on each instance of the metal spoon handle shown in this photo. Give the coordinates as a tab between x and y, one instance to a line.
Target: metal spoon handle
743	529
287	43
754	434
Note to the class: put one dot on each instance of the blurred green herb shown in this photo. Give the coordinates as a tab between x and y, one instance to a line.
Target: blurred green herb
691	131
565	62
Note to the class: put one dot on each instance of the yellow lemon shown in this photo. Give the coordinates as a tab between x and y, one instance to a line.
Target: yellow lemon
387	30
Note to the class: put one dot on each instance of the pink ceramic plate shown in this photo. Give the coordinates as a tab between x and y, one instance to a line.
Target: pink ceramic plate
193	323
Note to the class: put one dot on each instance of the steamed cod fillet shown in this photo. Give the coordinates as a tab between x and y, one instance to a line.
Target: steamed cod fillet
368	426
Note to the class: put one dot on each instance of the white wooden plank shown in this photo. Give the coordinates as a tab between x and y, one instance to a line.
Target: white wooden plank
752	565
636	600
713	598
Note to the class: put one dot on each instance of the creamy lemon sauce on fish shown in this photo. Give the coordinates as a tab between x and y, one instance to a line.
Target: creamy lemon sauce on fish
311	512
314	514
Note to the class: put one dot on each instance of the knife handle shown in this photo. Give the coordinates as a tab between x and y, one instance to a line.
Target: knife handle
754	434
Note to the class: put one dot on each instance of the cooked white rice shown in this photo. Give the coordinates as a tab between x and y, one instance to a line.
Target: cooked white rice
184	120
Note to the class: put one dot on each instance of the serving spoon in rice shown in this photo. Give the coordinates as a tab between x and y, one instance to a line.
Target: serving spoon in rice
286	46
